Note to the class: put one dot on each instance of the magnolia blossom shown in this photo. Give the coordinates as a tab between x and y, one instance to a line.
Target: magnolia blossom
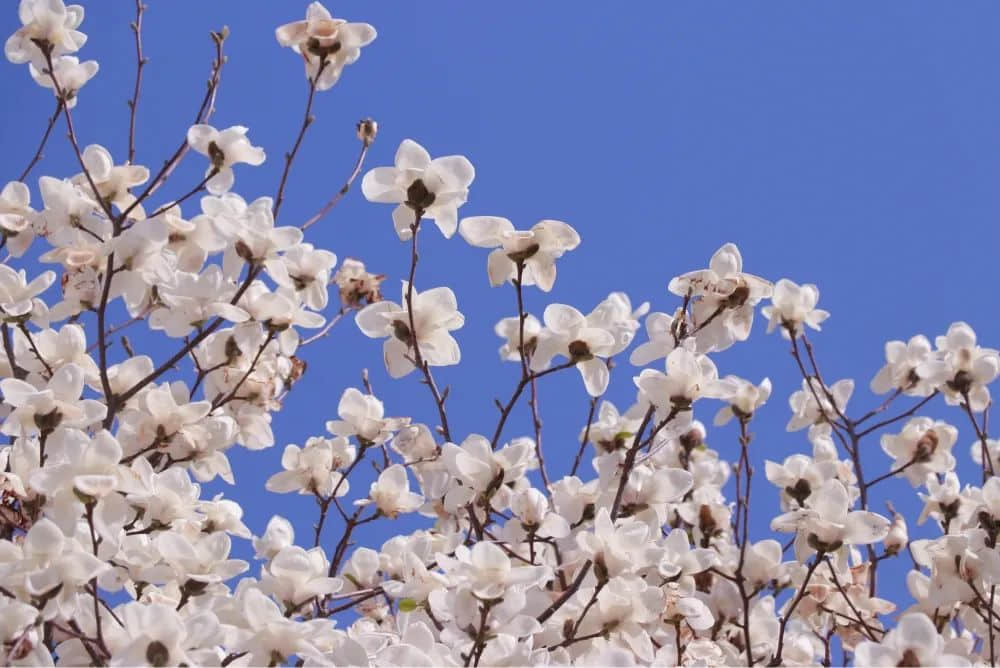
47	21
309	470
828	523
568	333
922	448
16	217
535	250
362	417
969	368
17	294
435	314
910	368
68	76
744	398
150	350
914	642
325	43
421	188
816	403
725	299
112	182
224	149
792	306
391	493
689	376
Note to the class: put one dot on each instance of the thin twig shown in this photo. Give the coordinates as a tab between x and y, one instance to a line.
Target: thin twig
45	138
319	215
307	120
140	62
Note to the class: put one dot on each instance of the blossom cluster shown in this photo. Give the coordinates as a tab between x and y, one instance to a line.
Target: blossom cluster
641	553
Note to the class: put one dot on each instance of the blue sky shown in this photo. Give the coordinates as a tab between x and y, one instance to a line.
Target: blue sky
853	145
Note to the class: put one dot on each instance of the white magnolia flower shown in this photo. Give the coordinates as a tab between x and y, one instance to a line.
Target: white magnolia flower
192	300
278	535
112	181
665	332
308	270
744	399
510	330
58	404
391	493
16	218
17	294
309	470
489	572
922	448
724	299
57	567
828	523
969	367
807	411
612	430
616	315
201	557
362	416
536	249
915	641
689	376
435	314
326	42
910	367
155	634
48	21
792	306
418	185
69	72
568	333
224	149
295	575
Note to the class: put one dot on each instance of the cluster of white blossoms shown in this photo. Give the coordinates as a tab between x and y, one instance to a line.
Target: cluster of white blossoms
642	553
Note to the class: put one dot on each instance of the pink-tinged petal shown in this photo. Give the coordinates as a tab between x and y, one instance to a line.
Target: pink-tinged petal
291	34
357	34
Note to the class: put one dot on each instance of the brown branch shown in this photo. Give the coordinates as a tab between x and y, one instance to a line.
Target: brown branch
140	62
319	215
307	120
45	138
586	436
326	328
204	113
905	414
189	194
418	360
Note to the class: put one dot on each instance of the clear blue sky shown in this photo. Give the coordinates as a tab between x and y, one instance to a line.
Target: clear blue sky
855	145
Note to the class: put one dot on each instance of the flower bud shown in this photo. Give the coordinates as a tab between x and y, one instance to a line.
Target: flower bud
367	129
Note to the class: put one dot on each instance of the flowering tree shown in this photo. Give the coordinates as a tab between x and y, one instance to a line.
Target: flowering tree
109	555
